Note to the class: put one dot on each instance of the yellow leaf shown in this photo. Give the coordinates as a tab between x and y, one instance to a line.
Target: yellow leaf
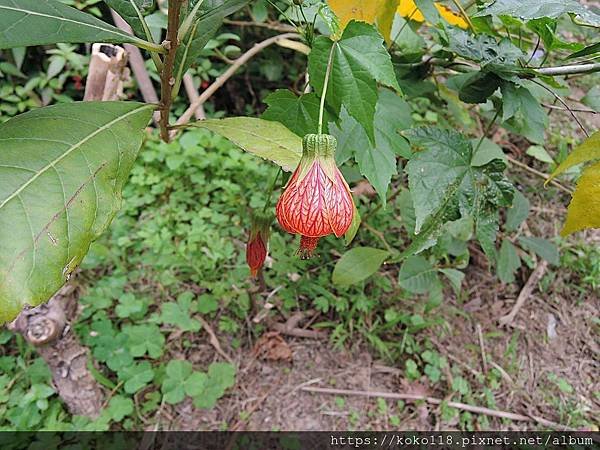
588	150
409	10
380	12
584	209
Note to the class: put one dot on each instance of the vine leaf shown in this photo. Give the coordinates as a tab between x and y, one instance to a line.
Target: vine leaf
208	21
358	264
132	11
33	22
61	172
269	140
444	184
535	9
360	60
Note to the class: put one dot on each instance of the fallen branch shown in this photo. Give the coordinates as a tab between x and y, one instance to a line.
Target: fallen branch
290	327
437	401
220	81
214	341
192	94
533	280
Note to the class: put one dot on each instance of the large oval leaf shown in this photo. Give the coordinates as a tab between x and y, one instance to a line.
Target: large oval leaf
41	22
358	264
269	140
61	173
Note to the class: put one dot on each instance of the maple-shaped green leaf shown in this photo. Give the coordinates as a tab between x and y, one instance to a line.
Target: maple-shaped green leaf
133	12
360	60
41	22
376	162
299	114
536	9
483	48
269	140
62	169
444	182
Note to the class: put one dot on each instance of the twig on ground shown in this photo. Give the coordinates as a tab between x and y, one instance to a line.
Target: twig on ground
290	327
539	174
187	115
535	276
437	401
482	347
213	339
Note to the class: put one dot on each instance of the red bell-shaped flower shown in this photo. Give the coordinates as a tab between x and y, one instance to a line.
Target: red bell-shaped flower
316	201
258	242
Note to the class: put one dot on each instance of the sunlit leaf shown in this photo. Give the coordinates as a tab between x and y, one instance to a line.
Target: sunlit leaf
408	9
588	150
269	140
380	12
584	209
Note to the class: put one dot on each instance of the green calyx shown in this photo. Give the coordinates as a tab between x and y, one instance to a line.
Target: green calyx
319	147
261	224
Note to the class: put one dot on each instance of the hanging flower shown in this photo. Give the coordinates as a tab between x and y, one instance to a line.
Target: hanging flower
258	242
316	201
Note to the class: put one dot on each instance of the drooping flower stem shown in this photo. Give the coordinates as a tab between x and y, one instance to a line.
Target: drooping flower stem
325	83
271	189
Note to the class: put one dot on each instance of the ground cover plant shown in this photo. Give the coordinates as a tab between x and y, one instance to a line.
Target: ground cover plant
438	162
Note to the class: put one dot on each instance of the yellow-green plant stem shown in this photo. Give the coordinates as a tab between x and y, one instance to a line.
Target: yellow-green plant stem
325	83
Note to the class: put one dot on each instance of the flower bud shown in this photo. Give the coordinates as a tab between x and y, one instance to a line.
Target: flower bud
258	242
